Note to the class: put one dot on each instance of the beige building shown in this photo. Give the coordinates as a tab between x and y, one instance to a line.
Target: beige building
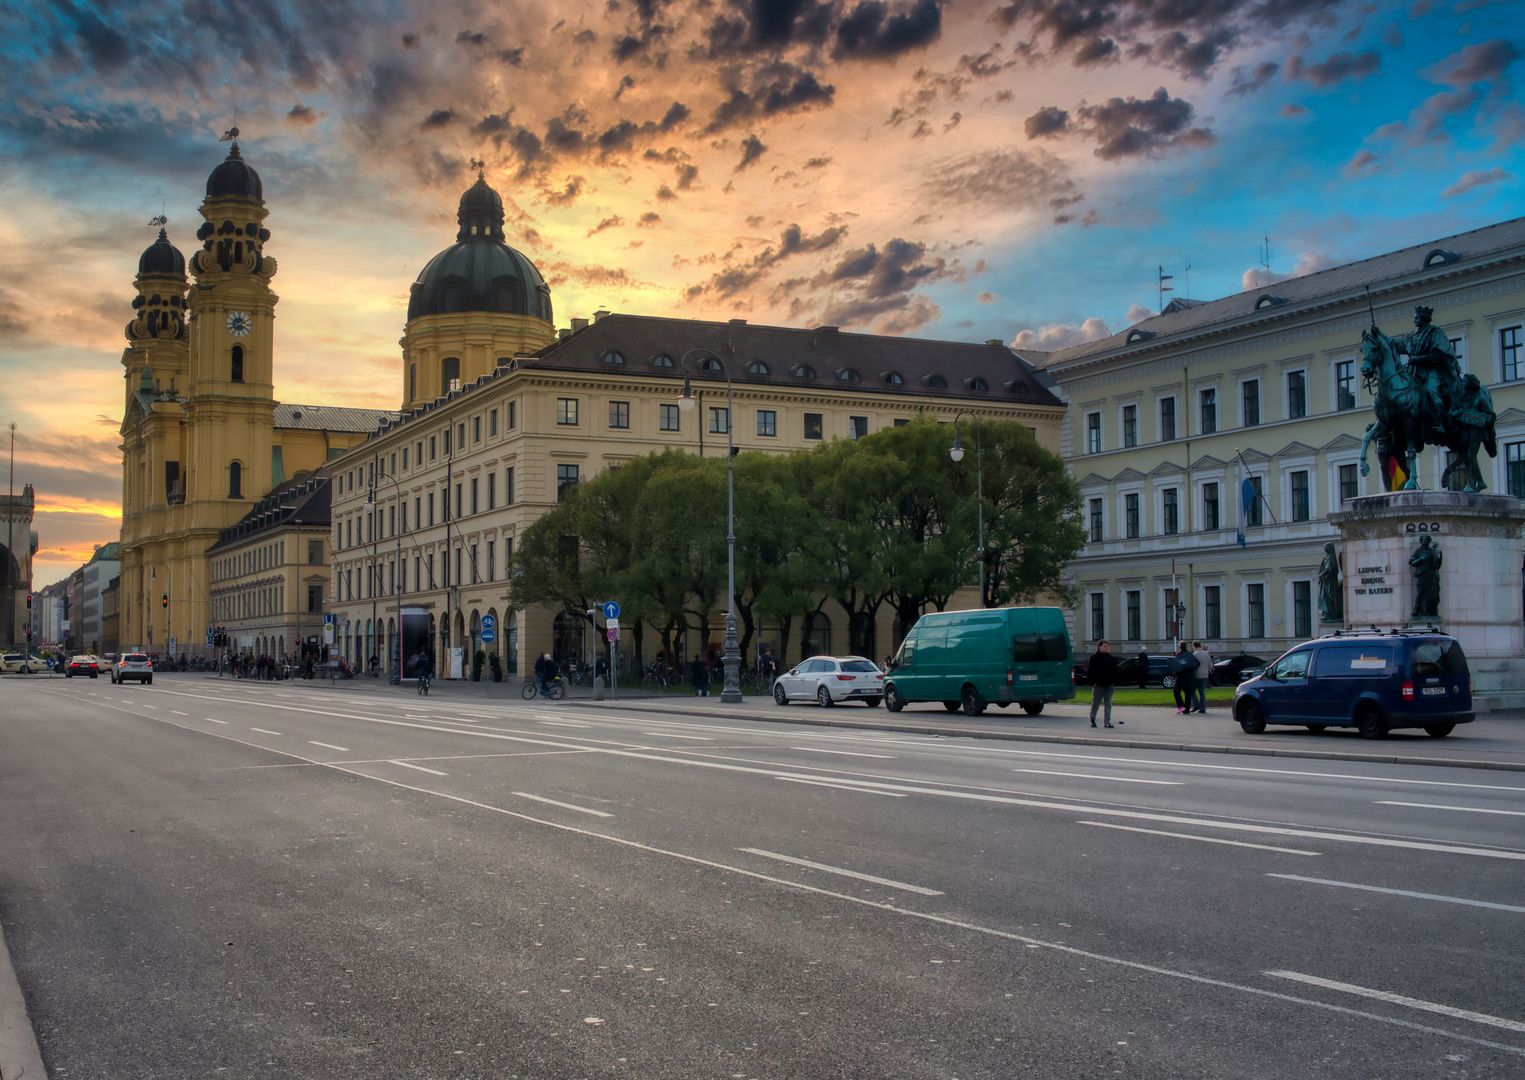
202	433
1167	420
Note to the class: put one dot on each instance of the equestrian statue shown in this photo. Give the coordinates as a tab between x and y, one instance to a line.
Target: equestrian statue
1424	401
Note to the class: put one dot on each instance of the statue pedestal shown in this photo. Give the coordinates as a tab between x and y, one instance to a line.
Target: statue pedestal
1482	539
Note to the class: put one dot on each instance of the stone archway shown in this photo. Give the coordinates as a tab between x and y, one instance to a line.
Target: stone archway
511	645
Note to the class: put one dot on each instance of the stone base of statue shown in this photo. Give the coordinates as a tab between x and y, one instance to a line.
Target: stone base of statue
1481	540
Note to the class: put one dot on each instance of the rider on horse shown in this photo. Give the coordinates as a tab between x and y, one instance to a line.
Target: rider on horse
1432	358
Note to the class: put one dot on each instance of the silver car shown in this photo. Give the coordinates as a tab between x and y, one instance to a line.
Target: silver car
133	665
827	680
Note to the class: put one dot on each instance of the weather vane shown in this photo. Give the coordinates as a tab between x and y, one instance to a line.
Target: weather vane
231	135
158	220
479	165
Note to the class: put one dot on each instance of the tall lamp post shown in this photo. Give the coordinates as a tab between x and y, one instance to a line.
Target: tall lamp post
957	454
731	692
400	582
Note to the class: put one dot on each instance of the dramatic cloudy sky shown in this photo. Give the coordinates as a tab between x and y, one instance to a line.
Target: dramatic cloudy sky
965	169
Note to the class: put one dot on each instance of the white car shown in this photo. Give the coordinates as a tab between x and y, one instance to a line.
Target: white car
22	663
827	680
133	665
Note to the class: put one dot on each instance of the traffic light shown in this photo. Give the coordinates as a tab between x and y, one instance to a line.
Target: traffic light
29	601
164	600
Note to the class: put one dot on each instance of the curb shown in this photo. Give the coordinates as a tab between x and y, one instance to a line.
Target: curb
19	1057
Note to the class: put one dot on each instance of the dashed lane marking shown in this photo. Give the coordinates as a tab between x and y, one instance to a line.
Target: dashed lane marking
1399	999
841	872
1204	839
410	765
1402	892
563	805
263	731
327	745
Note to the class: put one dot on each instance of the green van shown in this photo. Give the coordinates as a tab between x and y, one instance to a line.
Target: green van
994	656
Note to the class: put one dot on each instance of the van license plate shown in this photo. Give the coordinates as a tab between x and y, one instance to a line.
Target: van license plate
1437	690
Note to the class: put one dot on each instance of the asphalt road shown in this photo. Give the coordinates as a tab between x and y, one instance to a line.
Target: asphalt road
206	879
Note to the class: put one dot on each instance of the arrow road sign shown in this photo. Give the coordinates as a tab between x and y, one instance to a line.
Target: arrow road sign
611	610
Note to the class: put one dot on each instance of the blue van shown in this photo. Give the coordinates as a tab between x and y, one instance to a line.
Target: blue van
1364	679
968	659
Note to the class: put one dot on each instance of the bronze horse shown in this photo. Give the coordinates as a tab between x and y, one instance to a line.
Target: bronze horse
1398	400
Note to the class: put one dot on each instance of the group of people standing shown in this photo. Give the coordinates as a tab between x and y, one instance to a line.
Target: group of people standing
1192	667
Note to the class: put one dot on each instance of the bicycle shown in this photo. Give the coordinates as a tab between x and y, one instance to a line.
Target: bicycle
555	690
423	685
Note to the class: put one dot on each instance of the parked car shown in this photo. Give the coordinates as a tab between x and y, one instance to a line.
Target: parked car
1127	671
22	664
83	664
133	666
827	680
1368	680
970	659
1233	670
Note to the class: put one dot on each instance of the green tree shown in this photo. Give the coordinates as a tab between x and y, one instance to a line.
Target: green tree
777	564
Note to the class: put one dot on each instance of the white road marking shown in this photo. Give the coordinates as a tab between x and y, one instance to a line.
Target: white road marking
328	746
1094	776
839	787
224	723
917	889
843	753
1402	892
145	705
262	731
1465	809
177	712
563	805
1204	839
1399	999
675	735
563	723
420	768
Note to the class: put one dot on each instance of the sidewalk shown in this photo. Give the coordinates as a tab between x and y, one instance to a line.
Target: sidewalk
1492	741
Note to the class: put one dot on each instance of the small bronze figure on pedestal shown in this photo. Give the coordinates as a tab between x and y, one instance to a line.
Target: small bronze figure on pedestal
1426	563
1331	598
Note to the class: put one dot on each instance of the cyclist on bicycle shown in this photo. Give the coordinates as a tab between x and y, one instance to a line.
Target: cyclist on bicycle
545	671
424	669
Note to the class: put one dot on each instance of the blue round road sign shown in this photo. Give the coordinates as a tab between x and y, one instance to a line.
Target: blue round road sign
488	623
487	635
611	610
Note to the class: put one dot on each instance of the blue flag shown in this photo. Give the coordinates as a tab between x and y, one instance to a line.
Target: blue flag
1247	497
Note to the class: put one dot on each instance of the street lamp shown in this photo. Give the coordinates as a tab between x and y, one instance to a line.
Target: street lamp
731	690
957	454
400	582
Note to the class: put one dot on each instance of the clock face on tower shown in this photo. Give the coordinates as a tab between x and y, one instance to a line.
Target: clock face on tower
239	324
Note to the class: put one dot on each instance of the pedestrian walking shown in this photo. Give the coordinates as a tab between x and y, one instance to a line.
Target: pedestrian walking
1204	673
1143	668
699	677
1101	669
1183	665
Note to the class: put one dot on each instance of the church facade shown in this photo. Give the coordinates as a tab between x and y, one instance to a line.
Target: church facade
203	436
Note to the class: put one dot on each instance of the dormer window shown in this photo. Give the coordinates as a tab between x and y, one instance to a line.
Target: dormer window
757	367
804	371
892	378
661	360
613	357
1136	335
710	364
937	382
976	383
1269	301
1440	257
847	374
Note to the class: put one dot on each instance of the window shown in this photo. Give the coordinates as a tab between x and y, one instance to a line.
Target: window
460	439
566	411
474	495
848	375
1212	611
1130	515
1211	519
492	490
619	414
1255	599
412	382
668	418
767	422
661	360
475	576
458	501
1302	609
1349	485
492	425
235	480
1167	419
1297	395
1249	392
1093	433
1096	520
492	568
476	429
508	487
1301	508
857	427
1252	512
314	553
1098	616
512	414
237	372
431	447
720	421
1514	469
450	374
1208	400
812	425
314	598
1345	385
1170	512
431	508
613	357
566	478
757	367
417	516
1130	425
1509	353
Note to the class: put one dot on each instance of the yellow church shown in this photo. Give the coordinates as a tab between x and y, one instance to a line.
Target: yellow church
203	437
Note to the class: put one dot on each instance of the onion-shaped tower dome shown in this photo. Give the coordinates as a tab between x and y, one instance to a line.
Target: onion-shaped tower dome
480	272
162	257
234	178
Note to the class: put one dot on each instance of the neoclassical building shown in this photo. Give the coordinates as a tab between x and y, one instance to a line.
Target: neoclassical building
1167	420
203	436
501	412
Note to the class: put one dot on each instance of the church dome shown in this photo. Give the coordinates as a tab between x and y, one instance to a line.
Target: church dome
162	257
480	272
234	178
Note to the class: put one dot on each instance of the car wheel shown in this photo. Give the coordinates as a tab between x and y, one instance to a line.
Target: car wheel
1168	682
149	680
779	695
871	702
1032	708
1439	731
1369	722
68	674
823	697
952	706
892	699
973	706
95	674
1251	718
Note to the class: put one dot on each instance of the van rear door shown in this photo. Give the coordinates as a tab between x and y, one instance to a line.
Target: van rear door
1438	671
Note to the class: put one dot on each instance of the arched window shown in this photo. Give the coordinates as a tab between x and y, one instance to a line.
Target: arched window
935	381
450	374
238	363
803	371
816	641
661	360
710	364
412	382
757	367
614	357
848	374
892	378
977	383
235	481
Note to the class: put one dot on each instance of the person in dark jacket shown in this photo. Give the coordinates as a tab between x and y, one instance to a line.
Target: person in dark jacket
699	677
1101	669
1183	665
1143	668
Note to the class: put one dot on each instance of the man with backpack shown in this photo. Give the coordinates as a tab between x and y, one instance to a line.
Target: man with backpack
1183	665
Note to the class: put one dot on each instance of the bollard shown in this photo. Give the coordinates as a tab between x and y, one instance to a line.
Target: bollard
598	688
